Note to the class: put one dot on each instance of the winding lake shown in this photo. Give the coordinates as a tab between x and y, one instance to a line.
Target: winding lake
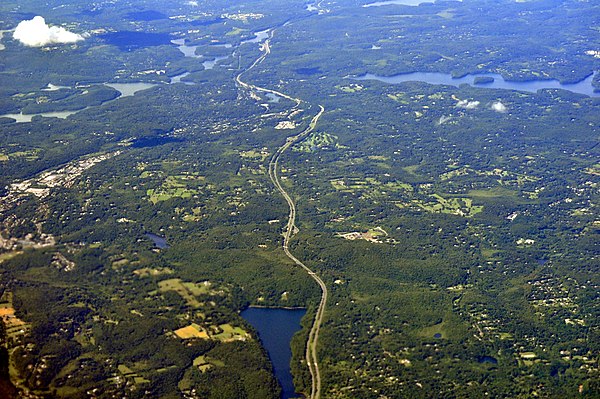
190	51
275	328
436	78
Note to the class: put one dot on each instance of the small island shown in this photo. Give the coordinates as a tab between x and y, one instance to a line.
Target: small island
483	80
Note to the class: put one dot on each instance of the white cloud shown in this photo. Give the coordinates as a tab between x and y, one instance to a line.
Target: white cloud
498	107
467	104
36	33
192	3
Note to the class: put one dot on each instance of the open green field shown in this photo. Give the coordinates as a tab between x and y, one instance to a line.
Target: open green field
229	333
177	186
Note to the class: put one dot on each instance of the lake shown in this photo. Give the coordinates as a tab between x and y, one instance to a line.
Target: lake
532	86
275	328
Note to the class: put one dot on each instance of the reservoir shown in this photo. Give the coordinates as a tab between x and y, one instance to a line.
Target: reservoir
275	328
532	86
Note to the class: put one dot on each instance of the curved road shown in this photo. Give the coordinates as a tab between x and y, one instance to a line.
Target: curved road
311	346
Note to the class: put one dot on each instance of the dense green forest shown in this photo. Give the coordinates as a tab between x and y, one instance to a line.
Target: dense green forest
455	226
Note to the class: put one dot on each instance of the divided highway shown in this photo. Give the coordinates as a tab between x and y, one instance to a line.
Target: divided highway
313	337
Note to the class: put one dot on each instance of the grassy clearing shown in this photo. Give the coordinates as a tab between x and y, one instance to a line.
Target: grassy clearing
351	88
376	235
9	255
593	170
147	272
235	32
204	363
199	288
187	290
496	192
254	155
177	186
459	206
316	141
29	155
435	331
401	98
14	327
490	254
370	187
378	158
228	333
179	287
130	374
454	173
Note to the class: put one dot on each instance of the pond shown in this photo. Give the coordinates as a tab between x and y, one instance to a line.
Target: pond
273	98
159	242
492	81
487	359
276	327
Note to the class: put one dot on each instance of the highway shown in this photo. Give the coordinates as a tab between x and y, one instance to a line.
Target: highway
312	359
